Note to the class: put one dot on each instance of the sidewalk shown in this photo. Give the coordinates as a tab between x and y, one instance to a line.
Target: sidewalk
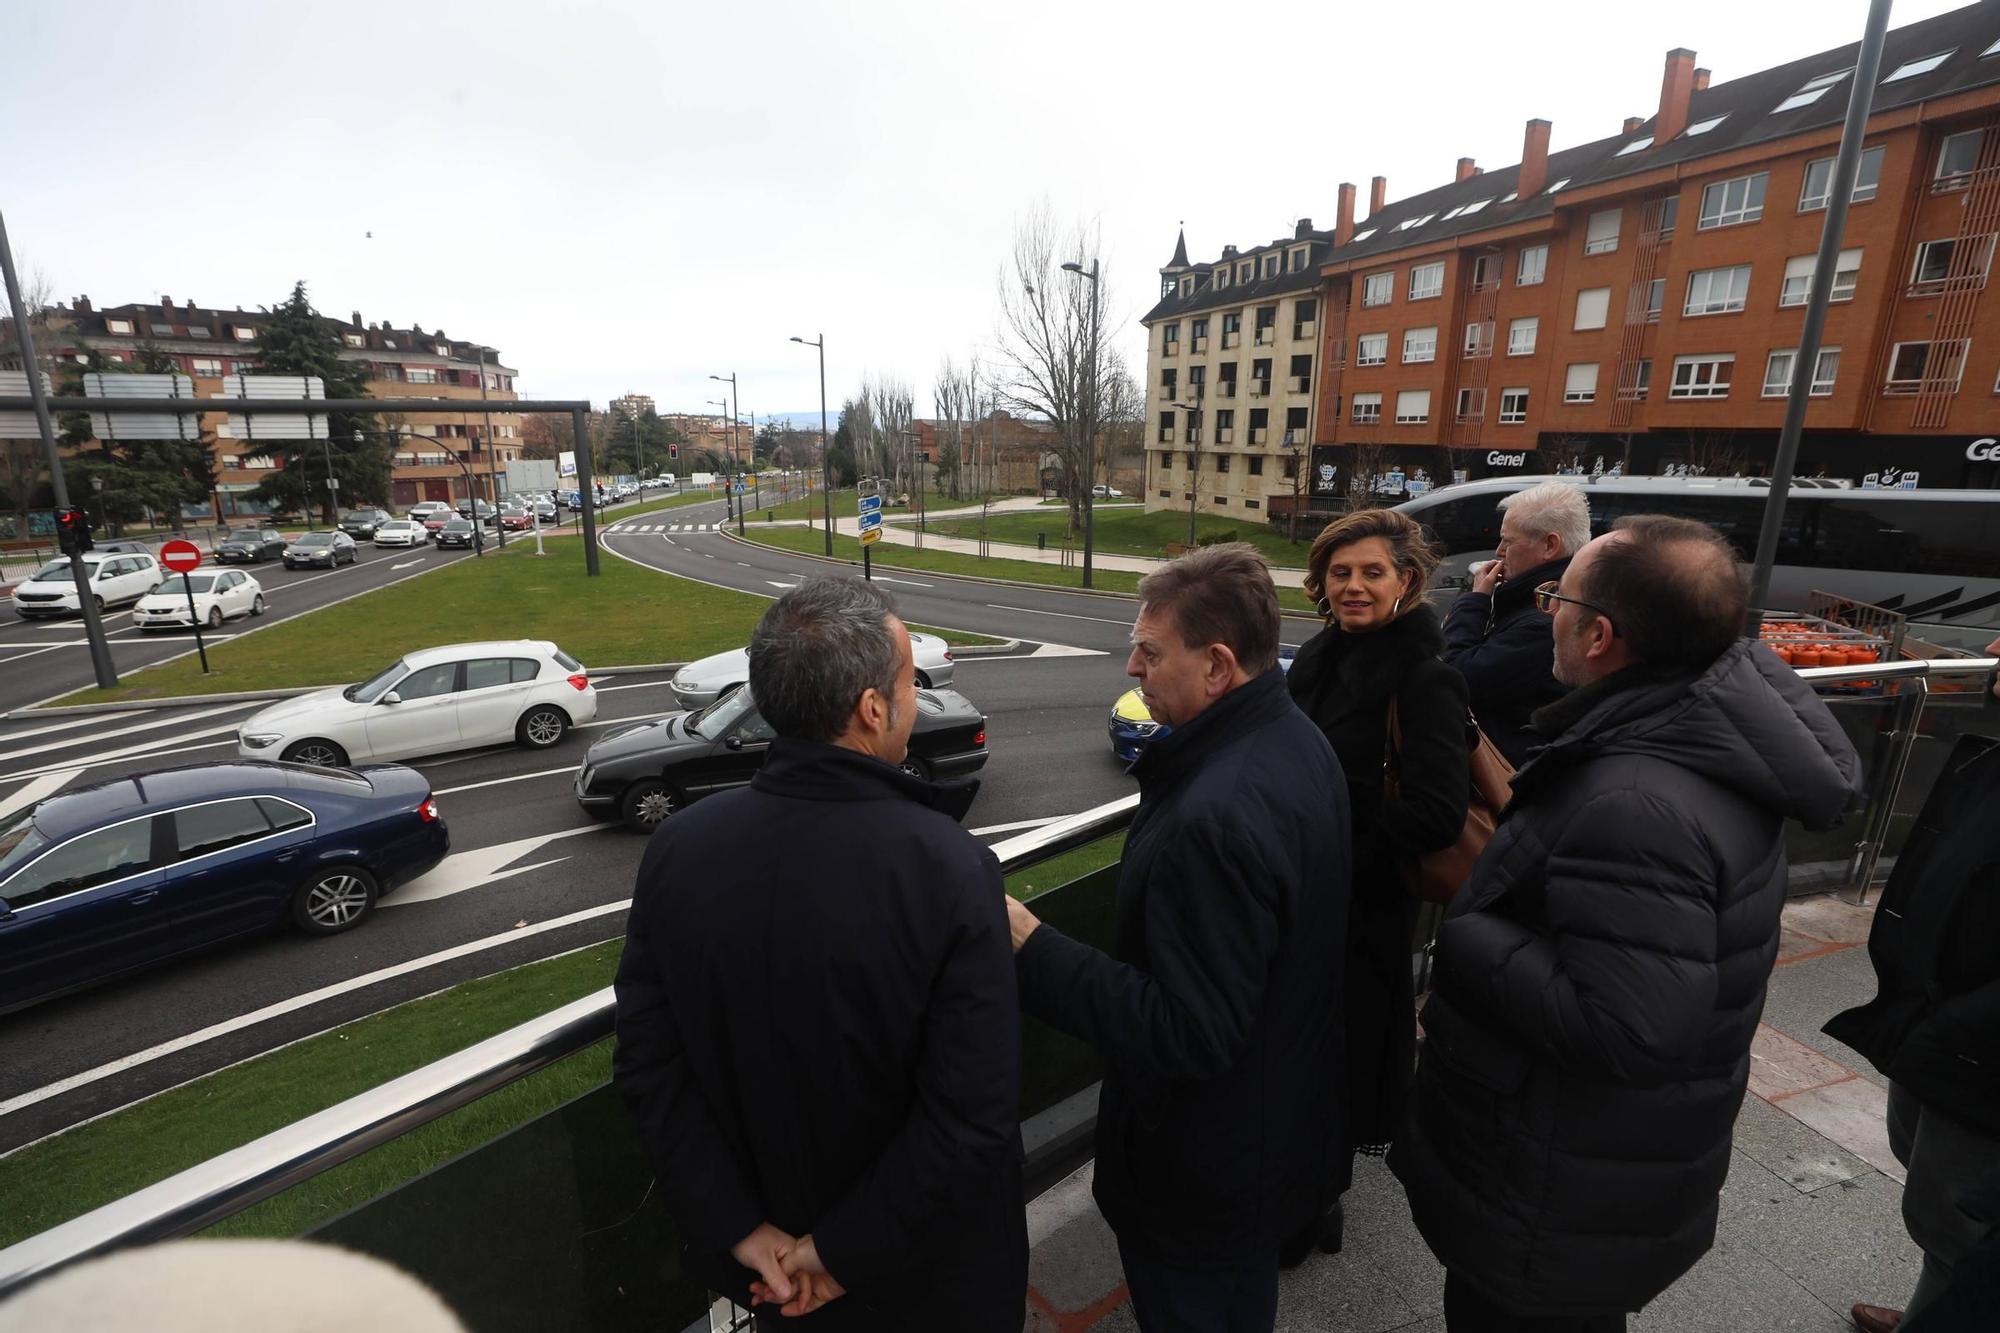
1811	1216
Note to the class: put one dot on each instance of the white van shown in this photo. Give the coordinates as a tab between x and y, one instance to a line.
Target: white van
116	577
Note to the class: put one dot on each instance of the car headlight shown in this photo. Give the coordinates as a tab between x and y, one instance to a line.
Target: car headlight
260	740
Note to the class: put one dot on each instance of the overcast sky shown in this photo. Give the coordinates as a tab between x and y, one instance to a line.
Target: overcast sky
632	196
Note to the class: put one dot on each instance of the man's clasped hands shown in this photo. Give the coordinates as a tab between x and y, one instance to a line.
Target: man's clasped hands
790	1275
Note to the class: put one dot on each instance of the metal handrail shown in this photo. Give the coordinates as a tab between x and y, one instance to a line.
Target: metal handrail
204	1194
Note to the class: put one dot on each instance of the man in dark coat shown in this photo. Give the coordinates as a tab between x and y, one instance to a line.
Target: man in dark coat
1494	635
1218	1011
1598	980
818	1023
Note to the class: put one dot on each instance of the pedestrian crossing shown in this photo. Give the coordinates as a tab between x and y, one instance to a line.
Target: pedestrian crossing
666	527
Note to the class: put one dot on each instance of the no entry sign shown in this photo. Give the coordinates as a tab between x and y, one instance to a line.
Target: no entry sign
181	557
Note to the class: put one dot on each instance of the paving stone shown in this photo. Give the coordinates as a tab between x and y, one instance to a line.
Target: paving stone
1341	1291
1781	1065
1734	1288
1076	1266
1843	1242
1790	1150
1803	996
1796	946
1830	917
1853	1114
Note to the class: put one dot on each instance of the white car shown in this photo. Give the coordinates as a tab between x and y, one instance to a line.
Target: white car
699	684
219	595
401	532
115	577
528	692
1106	493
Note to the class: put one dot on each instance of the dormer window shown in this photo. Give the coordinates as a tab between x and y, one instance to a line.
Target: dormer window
1271	262
1221	277
1245	271
1299	259
198	331
444	349
122	327
160	330
245	334
1187	285
353	340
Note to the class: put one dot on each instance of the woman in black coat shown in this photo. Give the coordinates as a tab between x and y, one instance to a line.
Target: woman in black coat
1367	571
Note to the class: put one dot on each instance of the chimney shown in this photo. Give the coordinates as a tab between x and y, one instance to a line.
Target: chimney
357	319
1676	87
83	305
1303	230
1343	227
1467	169
1534	160
1378	194
1701	80
167	304
1633	123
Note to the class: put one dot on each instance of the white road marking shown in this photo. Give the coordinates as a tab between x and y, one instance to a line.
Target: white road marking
642	685
1065	650
707	556
46	785
1102	620
297	1002
501	782
775	584
164	721
482	866
132	752
1016	826
405	565
70	725
744	563
39	651
884	578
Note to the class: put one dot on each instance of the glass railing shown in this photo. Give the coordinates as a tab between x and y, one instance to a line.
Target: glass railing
555	1223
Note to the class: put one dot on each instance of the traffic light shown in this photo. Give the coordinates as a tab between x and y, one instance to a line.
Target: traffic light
673	449
72	530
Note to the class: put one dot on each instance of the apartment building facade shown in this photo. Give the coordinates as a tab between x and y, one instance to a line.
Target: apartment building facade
209	345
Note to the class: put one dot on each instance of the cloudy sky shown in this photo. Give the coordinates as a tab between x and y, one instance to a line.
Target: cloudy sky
633	196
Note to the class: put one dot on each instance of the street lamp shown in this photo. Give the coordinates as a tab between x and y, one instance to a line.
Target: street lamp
825	463
471	480
1194	467
492	458
1090	417
730	380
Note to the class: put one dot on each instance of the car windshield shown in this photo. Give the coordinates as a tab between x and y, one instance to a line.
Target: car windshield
178	584
54	570
368	691
20	841
457	525
315	539
721	715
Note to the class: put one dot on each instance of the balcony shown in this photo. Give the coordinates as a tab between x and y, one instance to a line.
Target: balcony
1305	328
1300	384
1166	435
1267	336
1260	388
1200	344
1259	434
1168	392
1226	389
1230	340
1225	434
1170	348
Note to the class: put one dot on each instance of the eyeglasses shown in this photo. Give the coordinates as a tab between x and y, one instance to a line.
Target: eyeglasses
1548	594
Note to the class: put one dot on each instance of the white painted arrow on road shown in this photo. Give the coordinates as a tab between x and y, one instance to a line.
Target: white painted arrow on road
775	584
884	578
405	565
481	866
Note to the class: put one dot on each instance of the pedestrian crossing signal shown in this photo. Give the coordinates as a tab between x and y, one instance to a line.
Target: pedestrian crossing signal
673	450
72	530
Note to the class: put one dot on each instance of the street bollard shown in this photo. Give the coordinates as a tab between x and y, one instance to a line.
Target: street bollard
1041	541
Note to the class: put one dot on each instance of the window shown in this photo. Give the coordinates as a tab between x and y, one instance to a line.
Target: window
1479	338
1934	265
353	339
1267	324
1407	223
1298	259
1466	210
1799	275
1198	335
1225	425
1371	349
198	331
428	682
1702	376
1166	435
1534	266
1362	235
1295	426
1303	315
1580	383
1244	272
420	374
1260	377
1636	146
1187	285
1170	379
1819	180
1420	344
1170	339
1812	90
1256	465
218	826
1367	409
1486	271
1957	156
1593	307
1655	297
1727	203
1670	214
1219	278
1426	280
1909	69
1471	404
1271	262
1222	462
1704	126
1260	424
1521	336
1557	186
1911	364
1716	291
1378	289
122	327
390	373
161	330
245	334
1513	406
1301	373
1634	379
1232	330
1991	50
84	863
1600	235
486	672
1413	407
1778	371
283	815
205	366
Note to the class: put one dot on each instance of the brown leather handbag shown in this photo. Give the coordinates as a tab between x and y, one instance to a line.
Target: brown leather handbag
1436	877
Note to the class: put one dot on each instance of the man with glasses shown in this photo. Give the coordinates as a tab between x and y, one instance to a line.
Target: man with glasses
1600	976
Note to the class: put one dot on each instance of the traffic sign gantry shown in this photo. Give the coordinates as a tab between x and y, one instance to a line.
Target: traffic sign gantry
182	557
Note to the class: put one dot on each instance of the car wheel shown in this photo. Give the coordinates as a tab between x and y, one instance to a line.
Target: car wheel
215	617
923	680
542	727
647	803
257	606
290	565
320	753
335	899
100	603
916	768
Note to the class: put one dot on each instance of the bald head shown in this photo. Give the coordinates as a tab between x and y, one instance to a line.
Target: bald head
1672	587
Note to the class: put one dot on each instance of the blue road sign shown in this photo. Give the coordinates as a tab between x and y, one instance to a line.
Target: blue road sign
871	521
871	504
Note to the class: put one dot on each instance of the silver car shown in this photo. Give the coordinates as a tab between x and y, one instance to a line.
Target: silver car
699	684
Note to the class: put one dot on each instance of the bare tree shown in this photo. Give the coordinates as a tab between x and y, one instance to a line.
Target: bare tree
23	461
1370	464
1715	453
891	408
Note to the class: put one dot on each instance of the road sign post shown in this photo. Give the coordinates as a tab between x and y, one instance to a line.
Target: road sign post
868	504
183	558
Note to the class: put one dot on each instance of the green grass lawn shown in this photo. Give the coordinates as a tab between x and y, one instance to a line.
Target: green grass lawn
811	541
1122	531
628	614
1057	871
844	506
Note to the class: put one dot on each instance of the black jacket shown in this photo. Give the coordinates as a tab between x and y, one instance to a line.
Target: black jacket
1502	646
1217	1013
1600	977
1934	1026
818	1027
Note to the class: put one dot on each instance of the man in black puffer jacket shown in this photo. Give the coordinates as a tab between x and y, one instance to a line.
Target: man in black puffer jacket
1600	976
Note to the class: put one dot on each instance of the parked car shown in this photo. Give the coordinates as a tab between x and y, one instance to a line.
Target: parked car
103	880
219	595
459	532
701	683
425	508
251	546
401	532
115	579
526	691
516	520
362	523
331	549
1106	492
647	772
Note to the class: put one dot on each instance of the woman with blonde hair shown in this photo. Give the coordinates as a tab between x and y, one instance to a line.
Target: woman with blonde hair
1382	644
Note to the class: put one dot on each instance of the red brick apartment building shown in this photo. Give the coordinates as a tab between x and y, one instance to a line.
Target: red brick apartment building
1635	300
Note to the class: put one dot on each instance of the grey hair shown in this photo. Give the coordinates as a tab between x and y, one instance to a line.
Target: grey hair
818	649
1558	507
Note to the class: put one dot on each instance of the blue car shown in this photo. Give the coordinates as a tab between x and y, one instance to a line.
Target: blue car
108	879
1132	726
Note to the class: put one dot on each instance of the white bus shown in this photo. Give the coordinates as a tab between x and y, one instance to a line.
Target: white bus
1932	555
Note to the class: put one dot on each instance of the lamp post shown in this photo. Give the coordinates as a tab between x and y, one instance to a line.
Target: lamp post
825	463
492	460
1194	468
1090	416
471	479
756	481
730	380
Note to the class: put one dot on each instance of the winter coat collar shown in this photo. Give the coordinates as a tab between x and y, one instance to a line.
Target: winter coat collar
815	771
1184	749
1518	593
1365	664
1747	722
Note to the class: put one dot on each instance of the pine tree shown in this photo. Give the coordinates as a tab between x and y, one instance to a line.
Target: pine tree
296	340
122	481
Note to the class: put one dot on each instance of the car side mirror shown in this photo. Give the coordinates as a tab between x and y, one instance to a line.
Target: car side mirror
734	742
392	698
6	912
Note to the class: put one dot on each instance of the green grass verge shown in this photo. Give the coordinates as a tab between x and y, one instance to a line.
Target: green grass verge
1122	531
813	542
93	1164
627	614
1060	870
844	506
